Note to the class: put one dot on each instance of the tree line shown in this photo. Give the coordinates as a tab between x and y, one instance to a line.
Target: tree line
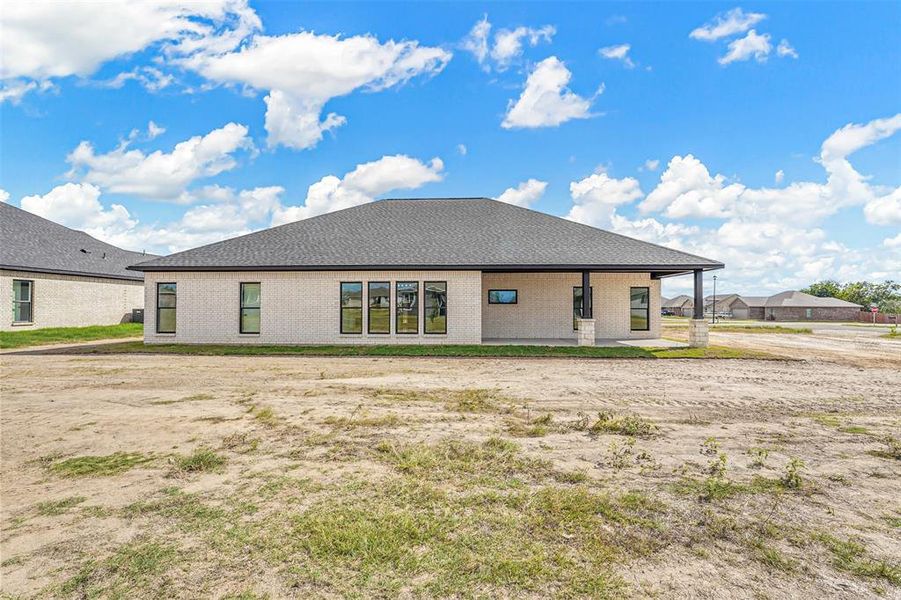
886	294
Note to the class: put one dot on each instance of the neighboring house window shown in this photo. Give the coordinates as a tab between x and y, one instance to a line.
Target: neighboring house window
22	304
640	309
250	308
577	305
352	307
379	307
503	296
435	307
407	306
809	313
165	307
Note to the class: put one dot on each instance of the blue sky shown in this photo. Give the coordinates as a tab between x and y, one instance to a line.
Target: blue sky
763	135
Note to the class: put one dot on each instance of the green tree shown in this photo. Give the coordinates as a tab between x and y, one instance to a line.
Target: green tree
886	295
824	289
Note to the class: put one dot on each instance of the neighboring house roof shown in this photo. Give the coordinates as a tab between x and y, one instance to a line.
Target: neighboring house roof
678	302
797	299
476	233
723	300
755	301
31	243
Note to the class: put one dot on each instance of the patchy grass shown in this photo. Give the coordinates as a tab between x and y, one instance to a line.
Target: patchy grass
98	466
68	335
364	420
759	329
631	425
137	565
851	556
58	507
191	398
891	450
470	400
200	461
264	414
484	351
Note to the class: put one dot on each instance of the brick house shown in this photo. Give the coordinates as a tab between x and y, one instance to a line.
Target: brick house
793	305
680	306
418	271
54	276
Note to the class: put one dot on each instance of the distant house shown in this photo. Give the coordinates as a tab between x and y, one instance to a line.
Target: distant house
727	305
680	306
798	306
53	276
419	271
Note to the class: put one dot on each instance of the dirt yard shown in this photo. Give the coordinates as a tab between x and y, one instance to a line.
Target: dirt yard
250	477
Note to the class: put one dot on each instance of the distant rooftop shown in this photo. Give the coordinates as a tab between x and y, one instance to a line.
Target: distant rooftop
31	243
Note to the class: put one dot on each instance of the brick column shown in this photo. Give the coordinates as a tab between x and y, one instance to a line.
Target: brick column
586	332
698	333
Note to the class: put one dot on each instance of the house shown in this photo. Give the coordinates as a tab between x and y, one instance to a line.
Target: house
53	276
756	305
418	271
798	306
680	306
727	305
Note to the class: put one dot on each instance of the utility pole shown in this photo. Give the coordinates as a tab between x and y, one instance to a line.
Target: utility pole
713	317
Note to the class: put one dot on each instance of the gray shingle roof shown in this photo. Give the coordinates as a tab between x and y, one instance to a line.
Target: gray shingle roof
802	300
31	243
678	302
431	233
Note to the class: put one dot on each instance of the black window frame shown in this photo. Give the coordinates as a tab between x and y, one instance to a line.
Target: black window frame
515	296
397	329
173	308
242	308
369	285
647	309
341	307
590	304
425	308
30	302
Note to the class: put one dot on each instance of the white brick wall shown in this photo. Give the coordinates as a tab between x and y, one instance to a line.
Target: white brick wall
71	301
545	305
299	307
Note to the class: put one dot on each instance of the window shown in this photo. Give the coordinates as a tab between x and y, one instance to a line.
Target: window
640	309
22	312
435	307
250	308
577	304
808	313
352	307
165	307
379	307
503	296
407	306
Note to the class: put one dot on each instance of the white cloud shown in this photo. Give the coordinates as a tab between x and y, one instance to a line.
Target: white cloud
461	149
596	197
885	210
525	194
752	45
77	205
508	43
651	165
4	195
779	176
620	52
362	185
785	49
726	24
686	189
154	130
160	175
303	71
546	101
43	39
893	242
151	78
14	90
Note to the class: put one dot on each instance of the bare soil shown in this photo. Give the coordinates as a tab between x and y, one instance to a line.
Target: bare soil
322	424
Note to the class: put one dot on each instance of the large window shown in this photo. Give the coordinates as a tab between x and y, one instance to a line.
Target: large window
379	307
577	305
22	303
250	308
435	307
352	307
165	307
503	296
640	306
407	306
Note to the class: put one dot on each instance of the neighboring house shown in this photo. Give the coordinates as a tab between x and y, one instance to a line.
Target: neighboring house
756	305
727	305
680	306
53	276
798	306
419	271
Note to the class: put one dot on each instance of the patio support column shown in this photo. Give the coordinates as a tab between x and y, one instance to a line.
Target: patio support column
586	322
697	327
